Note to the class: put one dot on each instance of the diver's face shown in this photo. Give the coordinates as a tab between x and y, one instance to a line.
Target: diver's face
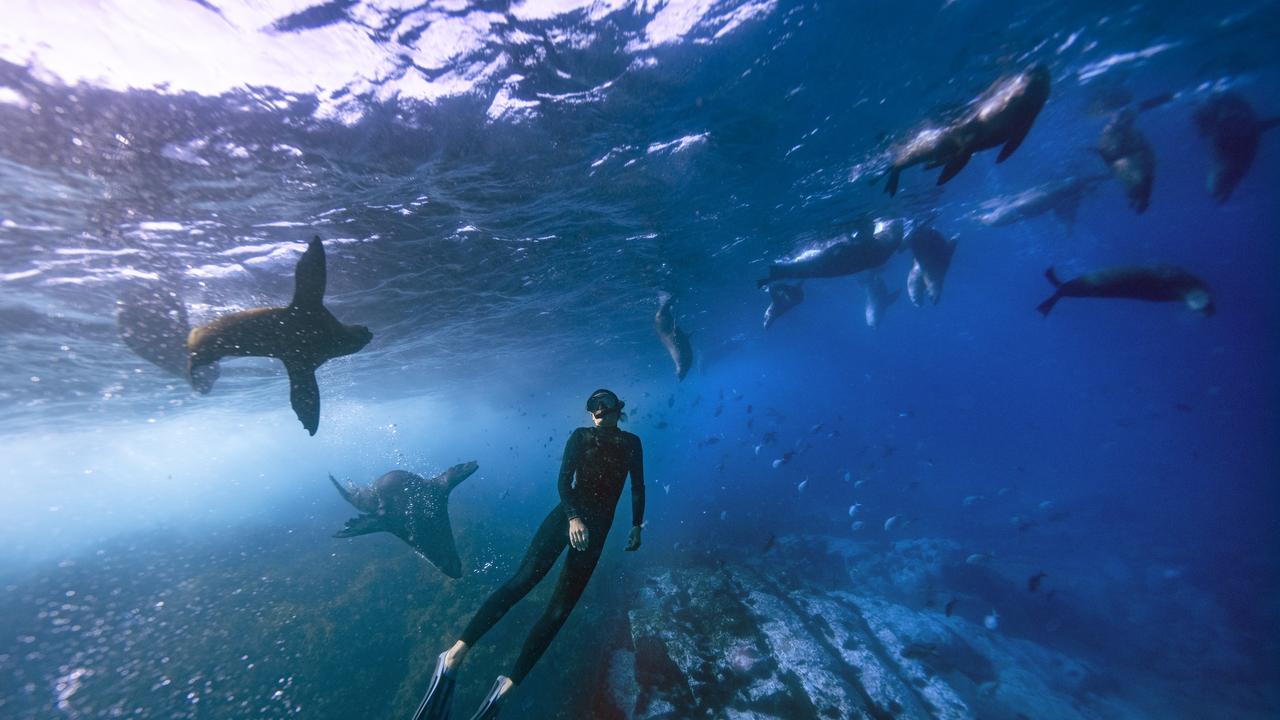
604	418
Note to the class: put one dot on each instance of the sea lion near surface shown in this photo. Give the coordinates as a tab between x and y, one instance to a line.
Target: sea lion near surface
1154	283
933	254
303	334
782	297
1234	131
675	340
1001	115
412	508
870	246
1131	158
153	323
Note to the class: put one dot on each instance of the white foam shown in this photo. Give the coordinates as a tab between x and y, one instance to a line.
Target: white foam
1093	70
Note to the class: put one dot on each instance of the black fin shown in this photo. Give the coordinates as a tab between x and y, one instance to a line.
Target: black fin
952	168
891	187
361	525
1013	144
1052	277
304	395
310	276
1047	305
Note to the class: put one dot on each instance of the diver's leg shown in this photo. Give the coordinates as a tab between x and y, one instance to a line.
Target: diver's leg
573	580
548	542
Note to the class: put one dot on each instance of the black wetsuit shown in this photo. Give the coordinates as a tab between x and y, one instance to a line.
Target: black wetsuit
601	459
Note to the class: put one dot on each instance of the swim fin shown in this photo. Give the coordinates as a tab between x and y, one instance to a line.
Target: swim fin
435	704
489	707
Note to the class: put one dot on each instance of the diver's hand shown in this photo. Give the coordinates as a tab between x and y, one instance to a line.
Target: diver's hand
633	541
578	536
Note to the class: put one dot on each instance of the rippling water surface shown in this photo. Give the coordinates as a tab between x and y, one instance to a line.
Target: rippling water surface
504	189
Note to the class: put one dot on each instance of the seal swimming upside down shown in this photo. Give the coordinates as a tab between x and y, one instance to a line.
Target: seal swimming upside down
1234	131
675	340
1154	283
304	335
412	508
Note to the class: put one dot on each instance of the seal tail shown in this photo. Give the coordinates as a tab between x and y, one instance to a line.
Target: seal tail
1048	304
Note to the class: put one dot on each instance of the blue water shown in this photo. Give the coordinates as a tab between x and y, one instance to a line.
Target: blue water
504	190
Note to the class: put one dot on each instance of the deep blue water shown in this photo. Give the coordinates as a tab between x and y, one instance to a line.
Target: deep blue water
504	190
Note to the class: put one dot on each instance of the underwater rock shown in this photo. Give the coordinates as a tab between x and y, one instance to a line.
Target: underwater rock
770	639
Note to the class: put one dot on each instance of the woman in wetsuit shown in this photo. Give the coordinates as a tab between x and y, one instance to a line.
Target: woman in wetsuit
600	457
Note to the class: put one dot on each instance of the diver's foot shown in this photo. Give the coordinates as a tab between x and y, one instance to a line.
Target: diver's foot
435	704
489	708
453	657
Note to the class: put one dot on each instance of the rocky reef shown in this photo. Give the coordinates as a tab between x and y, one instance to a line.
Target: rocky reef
827	628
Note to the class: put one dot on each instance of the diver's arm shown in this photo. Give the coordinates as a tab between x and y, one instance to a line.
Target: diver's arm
637	496
568	465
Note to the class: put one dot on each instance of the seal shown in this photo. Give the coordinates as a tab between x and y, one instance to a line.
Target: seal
1154	283
304	335
1001	115
1060	197
869	247
412	508
1234	132
673	338
153	323
1130	156
782	297
933	254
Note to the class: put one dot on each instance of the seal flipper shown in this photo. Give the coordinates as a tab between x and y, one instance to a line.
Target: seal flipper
363	525
1013	143
434	540
891	187
1053	299
304	394
310	276
953	167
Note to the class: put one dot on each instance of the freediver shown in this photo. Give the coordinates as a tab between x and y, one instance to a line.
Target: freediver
600	457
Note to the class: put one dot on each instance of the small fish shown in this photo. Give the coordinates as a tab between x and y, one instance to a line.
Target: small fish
857	525
748	409
977	558
768	545
666	489
992	621
724	514
891	523
1023	524
758	448
778	463
504	494
1033	582
969	500
803	484
847	476
854	508
719	409
1046	506
988	688
816	428
950	606
860	483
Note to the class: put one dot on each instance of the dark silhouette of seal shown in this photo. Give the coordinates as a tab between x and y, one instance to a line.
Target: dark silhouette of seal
303	335
1155	283
869	247
153	323
1234	132
782	297
1002	115
1130	156
412	508
673	338
933	254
